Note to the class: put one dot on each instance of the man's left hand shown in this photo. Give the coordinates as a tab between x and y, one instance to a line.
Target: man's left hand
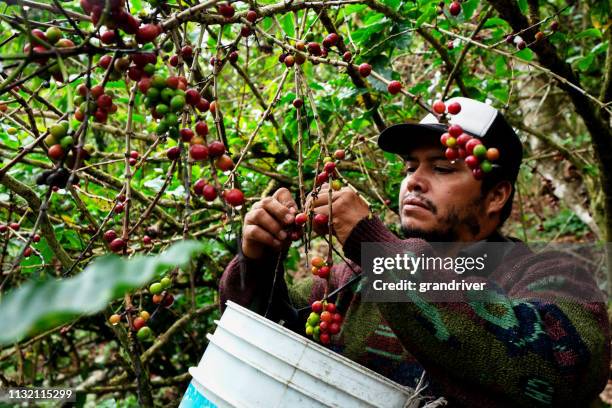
348	208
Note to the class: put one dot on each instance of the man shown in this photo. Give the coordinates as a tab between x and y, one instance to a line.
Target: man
529	354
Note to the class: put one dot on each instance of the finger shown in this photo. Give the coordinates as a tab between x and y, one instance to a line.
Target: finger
266	221
283	196
323	198
257	234
277	210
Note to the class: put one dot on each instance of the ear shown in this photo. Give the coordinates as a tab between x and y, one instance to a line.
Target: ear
497	197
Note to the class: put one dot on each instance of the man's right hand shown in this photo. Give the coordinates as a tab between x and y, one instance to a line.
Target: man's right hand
265	224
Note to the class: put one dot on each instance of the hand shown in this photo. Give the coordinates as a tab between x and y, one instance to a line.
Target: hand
264	224
348	208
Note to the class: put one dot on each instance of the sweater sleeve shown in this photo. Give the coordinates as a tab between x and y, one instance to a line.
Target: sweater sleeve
249	282
511	352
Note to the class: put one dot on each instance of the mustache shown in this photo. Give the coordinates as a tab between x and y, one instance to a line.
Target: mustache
426	202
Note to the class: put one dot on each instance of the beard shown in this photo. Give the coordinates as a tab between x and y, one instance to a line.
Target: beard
448	226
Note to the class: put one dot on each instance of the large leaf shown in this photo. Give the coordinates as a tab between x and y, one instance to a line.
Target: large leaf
38	306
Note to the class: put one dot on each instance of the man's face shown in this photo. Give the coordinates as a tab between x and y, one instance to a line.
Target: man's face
439	200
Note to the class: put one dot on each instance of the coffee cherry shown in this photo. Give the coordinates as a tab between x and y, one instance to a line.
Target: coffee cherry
156	288
198	186
198	152
539	36
451	141
147	33
117	245
108	37
347	56
322	177
439	107
472	161
226	10
455	8
144	334
331	307
224	163
331	40
317	261
471	144
455	130
216	149
521	45
326	317
510	39
462	153
145	315
174	60
14	226
324	338
289	61
55	152
192	96
444	138
317	306
554	25
166	282
313	319
337	318
394	87
314	48
324	327
301	219
213	108
309	330
168	300
58	131
298	103
324	272
339	154
209	193
119	207
110	235
156	299
492	154
138	323
203	105
336	185
201	128
365	69
245	31
480	151
53	34
451	154
486	166
463	139
315	271
36	238
233	56
234	197
320	220
173	153
146	240
27	252
187	52
251	16
114	319
478	174
454	108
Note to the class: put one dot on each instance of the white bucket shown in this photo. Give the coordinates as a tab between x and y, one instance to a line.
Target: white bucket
254	362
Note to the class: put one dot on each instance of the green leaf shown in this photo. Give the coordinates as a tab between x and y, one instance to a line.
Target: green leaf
588	33
287	24
525	54
523	6
585	62
39	306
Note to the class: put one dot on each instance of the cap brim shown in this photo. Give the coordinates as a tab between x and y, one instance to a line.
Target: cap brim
405	137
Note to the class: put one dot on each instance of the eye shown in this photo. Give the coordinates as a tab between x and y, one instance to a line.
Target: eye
443	169
409	169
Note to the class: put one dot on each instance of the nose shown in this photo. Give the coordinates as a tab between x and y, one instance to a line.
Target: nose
416	181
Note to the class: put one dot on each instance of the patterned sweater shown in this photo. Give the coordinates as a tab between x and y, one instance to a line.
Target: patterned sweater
523	354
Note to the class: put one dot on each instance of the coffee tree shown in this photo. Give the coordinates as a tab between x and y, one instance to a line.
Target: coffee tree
129	125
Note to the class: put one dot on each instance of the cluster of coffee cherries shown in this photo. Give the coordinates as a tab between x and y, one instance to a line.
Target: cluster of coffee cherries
42	41
313	48
329	170
15	226
119	18
100	104
320	267
139	324
520	44
323	322
160	294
